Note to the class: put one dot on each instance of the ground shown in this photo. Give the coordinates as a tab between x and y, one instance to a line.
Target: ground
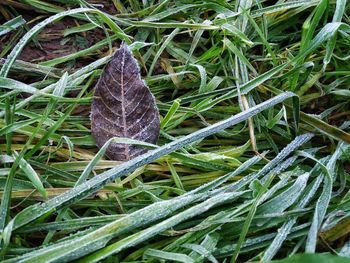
252	161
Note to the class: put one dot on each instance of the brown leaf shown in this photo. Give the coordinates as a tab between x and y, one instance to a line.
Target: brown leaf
123	106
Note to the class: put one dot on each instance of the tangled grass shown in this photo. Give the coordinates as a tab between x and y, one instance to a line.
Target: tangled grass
253	158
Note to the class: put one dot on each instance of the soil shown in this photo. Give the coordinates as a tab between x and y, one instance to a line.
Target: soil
50	43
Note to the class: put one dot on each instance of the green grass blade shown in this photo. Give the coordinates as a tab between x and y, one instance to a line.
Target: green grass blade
32	175
85	189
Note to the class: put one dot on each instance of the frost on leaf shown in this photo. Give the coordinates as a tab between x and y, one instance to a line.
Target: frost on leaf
123	106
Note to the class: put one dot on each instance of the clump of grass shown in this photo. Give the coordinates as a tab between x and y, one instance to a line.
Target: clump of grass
253	158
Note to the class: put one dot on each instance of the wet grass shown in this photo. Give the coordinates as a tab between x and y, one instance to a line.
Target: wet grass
253	159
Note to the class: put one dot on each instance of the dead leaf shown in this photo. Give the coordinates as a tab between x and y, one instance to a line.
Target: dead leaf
123	106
